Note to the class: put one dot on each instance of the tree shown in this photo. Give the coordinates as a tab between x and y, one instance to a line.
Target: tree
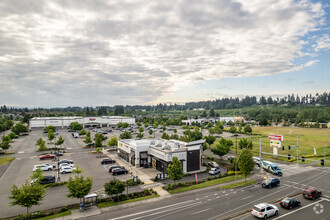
19	127
27	196
174	136
212	114
125	135
165	136
209	139
150	132
75	126
139	135
245	163
175	130
39	141
141	129
38	175
5	145
263	122
42	146
223	147
79	186
12	135
245	143
175	170
232	129
164	127
82	132
103	137
119	110
113	142
114	187
205	146
98	142
88	138
50	128
247	129
59	141
77	170
51	136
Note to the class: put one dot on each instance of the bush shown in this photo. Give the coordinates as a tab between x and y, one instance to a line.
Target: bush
208	178
230	173
131	182
64	209
209	158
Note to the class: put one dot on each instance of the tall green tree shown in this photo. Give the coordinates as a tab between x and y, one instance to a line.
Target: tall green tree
141	129
88	138
114	187
37	175
175	170
245	143
212	114
125	135
247	129
139	135
150	132
59	141
98	142
79	186
232	129
245	162
113	142
75	126
50	128
223	147
27	196
19	127
51	136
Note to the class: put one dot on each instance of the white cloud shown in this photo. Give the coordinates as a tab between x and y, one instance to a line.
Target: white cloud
322	43
59	53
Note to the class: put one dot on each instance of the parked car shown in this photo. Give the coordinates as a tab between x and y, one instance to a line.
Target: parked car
56	133
118	171
66	165
58	153
43	167
65	161
48	156
290	203
214	171
312	193
270	182
256	161
45	180
213	164
264	210
52	165
89	145
107	161
66	169
114	167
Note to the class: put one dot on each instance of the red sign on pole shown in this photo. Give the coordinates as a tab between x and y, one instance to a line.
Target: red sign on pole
275	137
196	178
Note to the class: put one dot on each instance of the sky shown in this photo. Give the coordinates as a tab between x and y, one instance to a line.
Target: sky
105	53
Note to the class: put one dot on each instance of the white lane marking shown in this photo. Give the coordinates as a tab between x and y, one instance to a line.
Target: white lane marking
226	194
206	196
217	197
215	194
20	152
247	197
137	213
200	211
289	213
69	148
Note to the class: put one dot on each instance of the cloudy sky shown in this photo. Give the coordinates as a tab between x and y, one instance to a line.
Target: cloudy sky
102	52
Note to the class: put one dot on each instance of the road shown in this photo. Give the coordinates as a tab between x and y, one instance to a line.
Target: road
234	204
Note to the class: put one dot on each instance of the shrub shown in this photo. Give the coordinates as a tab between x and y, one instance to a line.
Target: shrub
230	173
292	159
64	209
208	178
210	158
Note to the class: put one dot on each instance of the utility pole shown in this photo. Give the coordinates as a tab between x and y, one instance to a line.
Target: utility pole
260	156
297	151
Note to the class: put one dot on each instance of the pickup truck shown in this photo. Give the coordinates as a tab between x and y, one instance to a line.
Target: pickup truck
271	167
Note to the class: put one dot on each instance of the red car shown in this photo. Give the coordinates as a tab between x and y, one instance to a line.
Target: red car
48	156
311	193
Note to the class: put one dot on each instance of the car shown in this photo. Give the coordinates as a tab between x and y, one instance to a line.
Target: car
213	164
89	145
56	133
264	210
107	161
214	171
48	156
118	171
58	153
270	182
256	161
65	161
311	193
114	167
66	169
52	165
43	167
66	165
290	203
45	180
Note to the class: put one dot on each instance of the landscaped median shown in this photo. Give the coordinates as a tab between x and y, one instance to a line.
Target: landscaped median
191	185
5	160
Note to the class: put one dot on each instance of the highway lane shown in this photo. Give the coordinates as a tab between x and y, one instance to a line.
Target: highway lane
215	204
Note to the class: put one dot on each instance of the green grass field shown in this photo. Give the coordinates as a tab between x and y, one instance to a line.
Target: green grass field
5	160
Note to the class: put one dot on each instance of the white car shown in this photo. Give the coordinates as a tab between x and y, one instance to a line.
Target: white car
65	170
66	165
43	167
264	210
214	171
51	165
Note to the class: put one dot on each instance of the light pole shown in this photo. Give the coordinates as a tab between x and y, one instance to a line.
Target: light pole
236	142
236	166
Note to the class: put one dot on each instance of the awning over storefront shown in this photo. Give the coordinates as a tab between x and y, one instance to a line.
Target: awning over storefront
144	155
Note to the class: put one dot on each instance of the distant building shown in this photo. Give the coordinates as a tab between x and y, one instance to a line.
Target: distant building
103	121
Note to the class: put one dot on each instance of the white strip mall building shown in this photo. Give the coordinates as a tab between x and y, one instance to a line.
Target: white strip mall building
103	121
158	153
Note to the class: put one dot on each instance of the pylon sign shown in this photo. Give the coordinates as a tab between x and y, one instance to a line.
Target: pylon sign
275	142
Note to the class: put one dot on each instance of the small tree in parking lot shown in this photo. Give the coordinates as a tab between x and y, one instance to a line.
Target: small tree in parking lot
114	187
88	138
113	142
125	135
51	136
139	135
19	127
59	141
79	186
38	175
175	170
151	131
98	142
27	196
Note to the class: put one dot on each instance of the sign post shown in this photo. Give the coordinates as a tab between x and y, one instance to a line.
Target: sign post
275	142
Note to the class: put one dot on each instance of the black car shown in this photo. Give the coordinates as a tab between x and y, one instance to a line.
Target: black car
118	171
311	193
65	161
45	180
107	161
114	167
90	145
289	203
270	182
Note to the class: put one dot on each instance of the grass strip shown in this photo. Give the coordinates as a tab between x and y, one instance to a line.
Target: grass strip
56	215
206	184
111	203
240	184
5	160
